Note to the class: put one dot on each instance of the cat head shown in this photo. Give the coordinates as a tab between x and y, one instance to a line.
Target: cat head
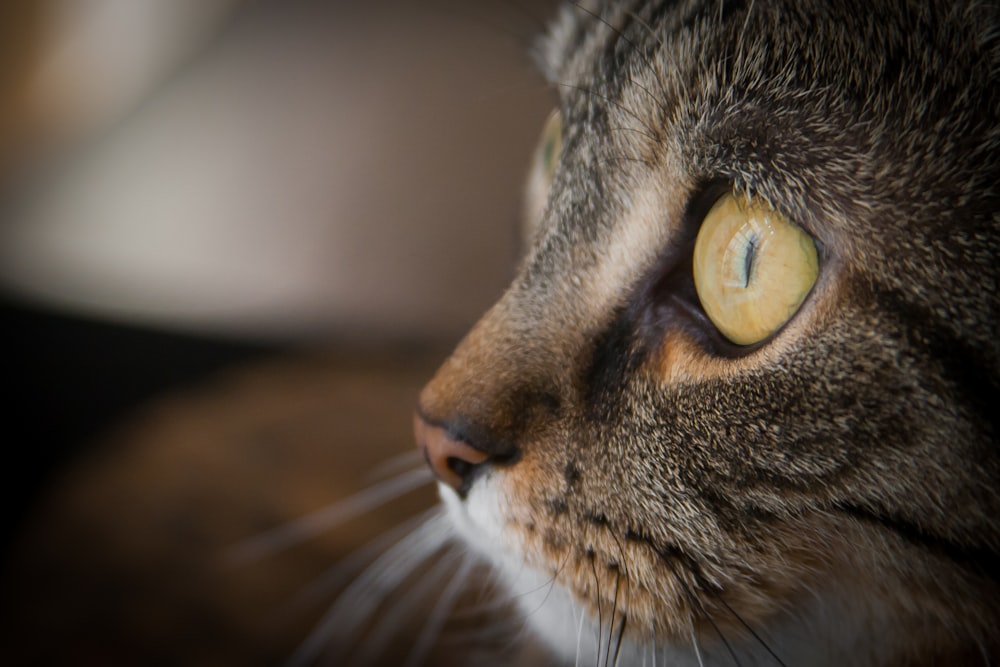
742	394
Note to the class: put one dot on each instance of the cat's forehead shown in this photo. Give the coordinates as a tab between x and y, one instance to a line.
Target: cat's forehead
875	127
819	107
908	60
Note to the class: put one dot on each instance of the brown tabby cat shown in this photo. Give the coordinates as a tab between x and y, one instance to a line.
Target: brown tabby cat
740	404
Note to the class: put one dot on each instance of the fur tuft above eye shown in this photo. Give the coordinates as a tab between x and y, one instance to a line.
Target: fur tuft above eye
752	268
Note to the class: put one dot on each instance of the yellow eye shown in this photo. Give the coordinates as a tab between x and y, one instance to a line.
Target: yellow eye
542	171
551	145
752	268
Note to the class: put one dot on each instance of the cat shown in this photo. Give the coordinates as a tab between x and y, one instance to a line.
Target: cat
739	405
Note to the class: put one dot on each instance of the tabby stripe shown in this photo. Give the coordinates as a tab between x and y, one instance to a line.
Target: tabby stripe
962	366
983	561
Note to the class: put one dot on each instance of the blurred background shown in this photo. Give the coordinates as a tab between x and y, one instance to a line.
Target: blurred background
236	236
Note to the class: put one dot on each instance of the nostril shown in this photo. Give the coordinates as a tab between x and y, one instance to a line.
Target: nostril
459	467
452	461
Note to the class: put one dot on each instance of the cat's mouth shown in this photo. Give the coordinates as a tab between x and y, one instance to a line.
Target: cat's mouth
578	564
617	579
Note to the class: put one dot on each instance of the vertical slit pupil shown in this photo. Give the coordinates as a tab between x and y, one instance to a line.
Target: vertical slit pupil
748	259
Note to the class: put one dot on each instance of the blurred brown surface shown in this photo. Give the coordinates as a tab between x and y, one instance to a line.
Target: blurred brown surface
126	561
312	170
22	28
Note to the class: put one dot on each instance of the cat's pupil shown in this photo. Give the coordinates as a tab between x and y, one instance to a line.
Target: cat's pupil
749	256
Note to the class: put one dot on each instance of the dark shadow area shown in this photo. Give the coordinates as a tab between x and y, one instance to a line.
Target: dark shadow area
69	378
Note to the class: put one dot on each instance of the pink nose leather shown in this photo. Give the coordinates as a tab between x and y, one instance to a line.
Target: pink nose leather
451	460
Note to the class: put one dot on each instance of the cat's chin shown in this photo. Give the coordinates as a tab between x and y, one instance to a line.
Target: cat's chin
571	634
817	631
548	610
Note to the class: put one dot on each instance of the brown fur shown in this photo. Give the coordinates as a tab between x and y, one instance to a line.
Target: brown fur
852	455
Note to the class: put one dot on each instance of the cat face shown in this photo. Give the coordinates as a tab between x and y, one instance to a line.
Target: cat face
652	466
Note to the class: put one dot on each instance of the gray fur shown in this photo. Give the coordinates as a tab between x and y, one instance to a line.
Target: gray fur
855	451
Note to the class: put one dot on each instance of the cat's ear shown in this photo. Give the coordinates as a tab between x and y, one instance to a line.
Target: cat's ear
543	169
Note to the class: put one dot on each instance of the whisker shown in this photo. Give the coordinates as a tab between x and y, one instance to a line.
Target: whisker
551	583
579	635
623	571
985	653
347	568
633	129
697	651
364	595
489	634
311	525
439	614
739	49
624	158
493	601
611	621
649	30
390	621
618	642
696	606
645	59
487	608
619	105
623	559
492	597
750	630
660	44
600	621
393	466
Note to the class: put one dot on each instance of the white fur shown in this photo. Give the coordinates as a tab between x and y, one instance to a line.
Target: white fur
817	632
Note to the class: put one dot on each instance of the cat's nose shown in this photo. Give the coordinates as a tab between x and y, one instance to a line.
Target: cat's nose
452	460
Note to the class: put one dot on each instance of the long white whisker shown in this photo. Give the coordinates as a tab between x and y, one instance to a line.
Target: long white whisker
439	614
492	633
302	529
393	618
396	465
697	651
550	584
487	608
347	568
363	596
579	635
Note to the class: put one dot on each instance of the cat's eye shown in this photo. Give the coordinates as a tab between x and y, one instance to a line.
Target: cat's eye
543	169
551	145
752	268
